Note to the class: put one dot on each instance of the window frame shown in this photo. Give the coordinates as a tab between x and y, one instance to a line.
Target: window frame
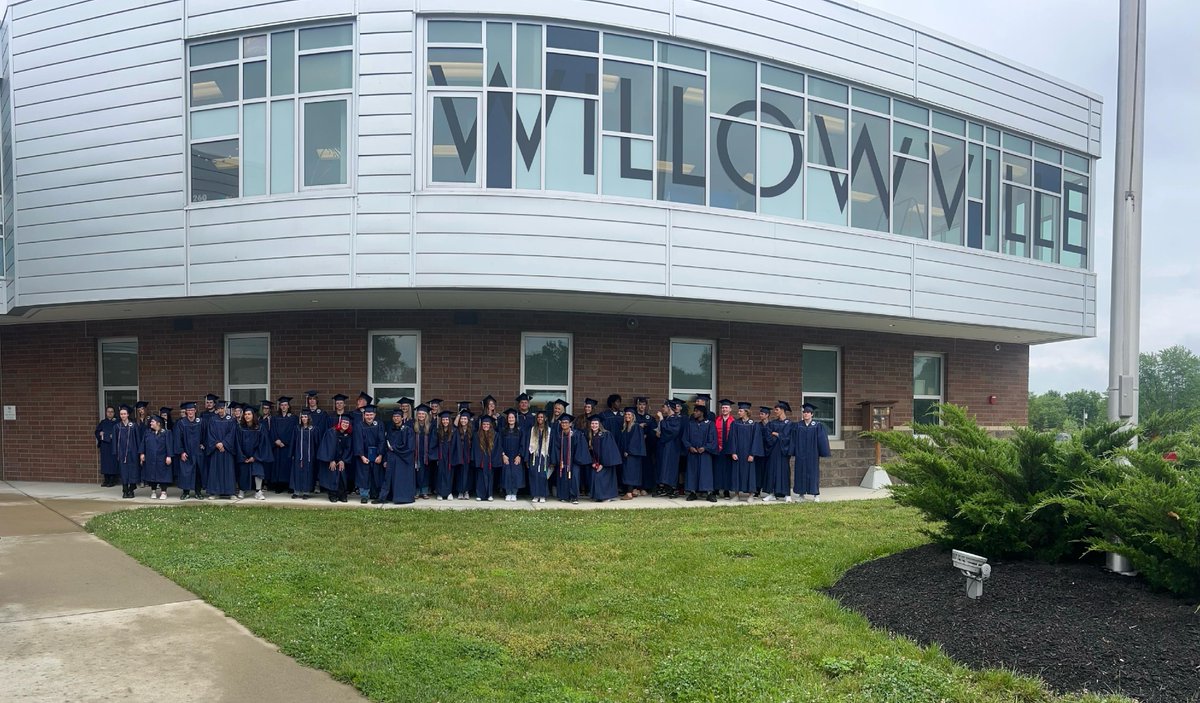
229	388
101	387
690	393
569	388
371	385
940	397
836	395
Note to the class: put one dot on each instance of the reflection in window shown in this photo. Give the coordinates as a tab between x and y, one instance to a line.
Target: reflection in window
254	148
572	74
325	143
455	140
692	368
455	67
780	164
733	151
991	223
927	387
215	168
628	97
911	141
1047	177
395	367
819	376
910	182
214	85
1016	169
869	203
499	55
1016	220
570	144
782	109
827	140
681	142
546	367
949	189
329	71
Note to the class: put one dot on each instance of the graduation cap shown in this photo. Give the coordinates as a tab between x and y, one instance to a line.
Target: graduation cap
340	396
764	409
486	418
466	413
164	410
595	418
435	401
541	411
560	401
285	399
641	399
363	395
368	408
213	397
510	411
125	407
235	405
266	404
141	404
423	408
565	418
464	405
155	418
784	404
591	401
703	396
311	394
305	413
630	409
808	408
745	406
523	396
405	401
219	403
487	398
397	411
446	414
189	405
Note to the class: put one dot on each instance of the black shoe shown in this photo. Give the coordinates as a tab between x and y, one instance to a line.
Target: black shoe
295	496
374	501
691	497
363	500
727	495
711	497
342	499
304	496
332	498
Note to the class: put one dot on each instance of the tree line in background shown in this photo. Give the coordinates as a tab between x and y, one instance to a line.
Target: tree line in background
1169	386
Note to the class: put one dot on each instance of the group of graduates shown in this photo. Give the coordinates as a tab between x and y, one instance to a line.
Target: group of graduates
228	449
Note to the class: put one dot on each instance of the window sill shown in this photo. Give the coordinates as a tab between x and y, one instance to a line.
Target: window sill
318	194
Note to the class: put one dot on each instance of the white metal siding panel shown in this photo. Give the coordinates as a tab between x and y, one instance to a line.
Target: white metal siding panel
7	209
215	16
649	15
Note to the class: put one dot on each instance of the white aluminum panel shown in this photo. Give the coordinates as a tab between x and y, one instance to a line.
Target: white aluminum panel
651	15
933	306
86	285
107	245
166	107
84	181
98	45
214	16
285	275
33	78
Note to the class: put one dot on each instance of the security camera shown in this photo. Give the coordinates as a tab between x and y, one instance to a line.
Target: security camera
631	323
997	347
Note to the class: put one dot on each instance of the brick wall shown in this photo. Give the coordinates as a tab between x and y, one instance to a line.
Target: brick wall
49	372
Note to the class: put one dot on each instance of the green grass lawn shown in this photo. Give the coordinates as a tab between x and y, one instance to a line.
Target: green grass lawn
551	606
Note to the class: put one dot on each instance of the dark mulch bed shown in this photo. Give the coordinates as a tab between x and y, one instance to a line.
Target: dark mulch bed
1074	625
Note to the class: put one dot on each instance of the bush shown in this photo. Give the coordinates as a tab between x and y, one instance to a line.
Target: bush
979	491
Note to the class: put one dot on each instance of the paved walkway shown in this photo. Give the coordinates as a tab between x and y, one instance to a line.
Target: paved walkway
81	621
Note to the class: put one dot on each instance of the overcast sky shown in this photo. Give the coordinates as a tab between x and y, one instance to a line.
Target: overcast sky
1076	40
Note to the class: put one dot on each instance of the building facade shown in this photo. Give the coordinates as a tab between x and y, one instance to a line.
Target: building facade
760	200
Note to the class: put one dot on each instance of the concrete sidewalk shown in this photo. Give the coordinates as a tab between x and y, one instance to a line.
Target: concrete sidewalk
81	621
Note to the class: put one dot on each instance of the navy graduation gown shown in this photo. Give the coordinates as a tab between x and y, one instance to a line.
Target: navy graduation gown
537	462
512	449
266	426
424	455
722	464
220	453
157	448
569	455
253	455
283	429
105	429
443	453
400	482
486	461
699	435
460	459
669	448
650	462
632	443
745	441
809	443
126	448
368	444
305	442
777	440
336	447
187	436
612	421
606	457
526	420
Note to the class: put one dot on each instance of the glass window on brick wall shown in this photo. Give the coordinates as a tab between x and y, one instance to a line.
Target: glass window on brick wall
928	385
820	375
395	367
248	367
693	368
118	372
546	367
269	112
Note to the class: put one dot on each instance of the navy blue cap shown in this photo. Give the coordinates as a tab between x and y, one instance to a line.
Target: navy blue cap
703	396
189	405
340	396
305	413
397	411
368	408
784	404
560	401
466	413
488	397
422	408
366	396
405	401
725	401
213	397
445	413
630	409
523	396
165	409
464	405
808	408
591	401
154	418
745	406
439	401
141	404
565	418
311	394
764	409
221	403
125	407
595	418
487	418
510	411
265	403
284	399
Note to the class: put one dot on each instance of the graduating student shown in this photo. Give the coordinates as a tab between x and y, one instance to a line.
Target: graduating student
524	414
127	449
670	427
568	456
368	455
405	404
188	436
722	464
167	423
220	452
425	449
557	409
105	430
266	425
489	410
700	442
461	448
613	417
362	401
335	457
631	441
253	454
206	415
582	423
810	442
435	409
702	400
537	457
400	481
444	455
340	409
606	460
156	457
745	443
283	430
141	415
512	452
649	427
778	447
319	418
306	440
485	457
760	471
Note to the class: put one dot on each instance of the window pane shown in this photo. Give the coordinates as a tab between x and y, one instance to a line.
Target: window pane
283	146
910	182
247	361
783	78
780	165
782	109
1045	228
975	170
976	131
254	147
254	46
681	142
872	101
388	397
500	139
283	63
572	74
628	97
572	38
869	200
1047	177
254	80
827	138
910	141
949	188
1018	144
1016	169
455	67
826	412
529	56
627	167
826	196
215	85
325	143
829	90
949	123
248	396
1078	163
991	186
326	71
547	361
733	84
910	112
393	359
119	363
691	365
681	56
213	52
924	411
541	396
1075	220
1016	220
993	136
499	54
819	371
214	170
1047	153
324	37
571	144
221	122
927	375
455	140
529	149
974	224
454	32
119	398
621	45
732	151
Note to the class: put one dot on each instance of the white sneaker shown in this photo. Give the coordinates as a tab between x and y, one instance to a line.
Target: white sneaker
162	495
768	498
240	495
478	498
816	499
441	498
489	499
258	495
787	499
